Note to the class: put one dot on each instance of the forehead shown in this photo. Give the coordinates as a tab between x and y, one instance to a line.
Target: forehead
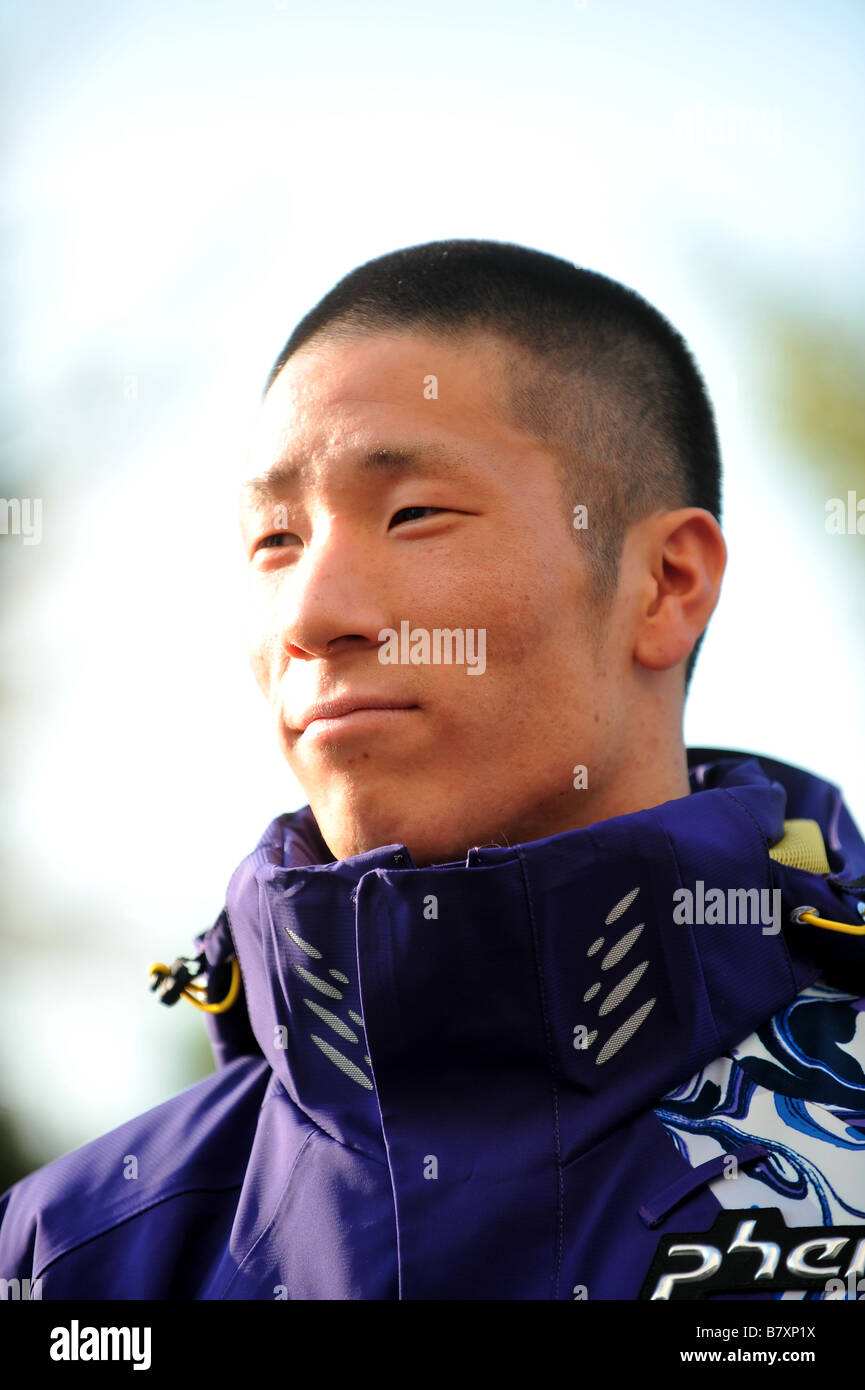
387	395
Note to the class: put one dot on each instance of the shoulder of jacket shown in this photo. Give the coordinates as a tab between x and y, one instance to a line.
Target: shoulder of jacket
198	1140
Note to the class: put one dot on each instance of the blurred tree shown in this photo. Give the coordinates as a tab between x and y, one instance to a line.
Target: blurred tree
16	1158
817	398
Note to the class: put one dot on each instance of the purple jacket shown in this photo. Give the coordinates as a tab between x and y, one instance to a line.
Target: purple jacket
605	1064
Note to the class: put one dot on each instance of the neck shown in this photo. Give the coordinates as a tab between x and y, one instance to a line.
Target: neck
649	771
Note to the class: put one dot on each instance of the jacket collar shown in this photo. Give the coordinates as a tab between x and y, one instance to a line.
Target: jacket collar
549	968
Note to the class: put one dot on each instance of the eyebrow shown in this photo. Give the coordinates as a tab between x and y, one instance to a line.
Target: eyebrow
422	460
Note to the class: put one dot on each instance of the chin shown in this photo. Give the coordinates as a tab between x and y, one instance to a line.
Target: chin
348	835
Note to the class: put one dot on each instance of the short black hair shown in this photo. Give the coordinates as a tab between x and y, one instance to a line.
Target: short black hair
601	377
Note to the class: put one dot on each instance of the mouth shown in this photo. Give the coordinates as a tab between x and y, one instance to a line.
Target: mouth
351	712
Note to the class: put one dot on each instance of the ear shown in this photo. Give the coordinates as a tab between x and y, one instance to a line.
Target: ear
684	557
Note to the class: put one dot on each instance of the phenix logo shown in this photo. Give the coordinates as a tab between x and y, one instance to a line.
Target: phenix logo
754	1251
713	907
76	1343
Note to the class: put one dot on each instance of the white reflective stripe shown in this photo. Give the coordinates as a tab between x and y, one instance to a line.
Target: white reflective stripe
344	1063
304	945
621	906
333	1020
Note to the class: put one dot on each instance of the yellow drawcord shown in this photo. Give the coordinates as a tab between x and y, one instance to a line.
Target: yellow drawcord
223	1005
815	921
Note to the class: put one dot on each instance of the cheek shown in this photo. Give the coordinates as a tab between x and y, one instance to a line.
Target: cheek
261	650
503	584
260	672
534	614
262	675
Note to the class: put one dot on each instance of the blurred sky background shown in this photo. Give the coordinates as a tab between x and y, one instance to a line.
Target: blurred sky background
181	182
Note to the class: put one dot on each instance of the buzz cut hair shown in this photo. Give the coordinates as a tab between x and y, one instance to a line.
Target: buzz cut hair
592	370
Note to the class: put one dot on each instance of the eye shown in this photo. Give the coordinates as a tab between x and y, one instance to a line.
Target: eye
412	513
275	541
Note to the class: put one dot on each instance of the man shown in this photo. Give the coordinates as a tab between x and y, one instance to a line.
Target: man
534	1004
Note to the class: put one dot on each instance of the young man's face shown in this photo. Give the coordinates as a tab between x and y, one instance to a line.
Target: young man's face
401	493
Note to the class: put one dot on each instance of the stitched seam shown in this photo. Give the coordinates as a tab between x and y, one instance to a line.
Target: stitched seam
133	1216
706	995
270	1224
320	1129
557	1141
768	867
242	974
700	1176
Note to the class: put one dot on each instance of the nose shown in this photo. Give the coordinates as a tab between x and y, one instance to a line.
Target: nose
335	596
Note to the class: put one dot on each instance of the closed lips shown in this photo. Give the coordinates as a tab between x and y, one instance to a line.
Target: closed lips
334	709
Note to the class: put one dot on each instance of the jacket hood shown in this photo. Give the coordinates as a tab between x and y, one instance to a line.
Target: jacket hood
372	985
